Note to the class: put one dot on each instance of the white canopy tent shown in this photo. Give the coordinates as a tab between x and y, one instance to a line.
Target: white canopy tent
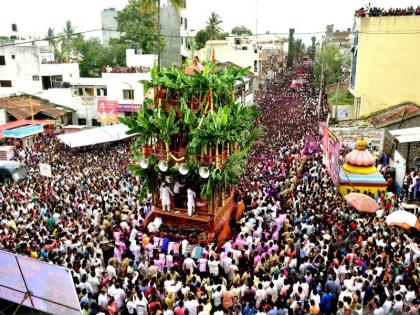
95	136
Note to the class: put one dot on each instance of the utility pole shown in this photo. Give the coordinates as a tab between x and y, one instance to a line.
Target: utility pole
336	99
321	87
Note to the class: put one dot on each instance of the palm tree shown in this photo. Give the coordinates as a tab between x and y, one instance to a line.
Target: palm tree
213	29
151	6
50	37
68	31
298	49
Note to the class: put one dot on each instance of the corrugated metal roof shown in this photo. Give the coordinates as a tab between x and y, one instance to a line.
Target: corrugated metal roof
21	108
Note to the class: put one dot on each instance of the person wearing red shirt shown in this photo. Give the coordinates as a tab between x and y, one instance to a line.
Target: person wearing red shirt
155	304
180	309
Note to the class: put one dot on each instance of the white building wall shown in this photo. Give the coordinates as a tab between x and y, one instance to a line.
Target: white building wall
139	60
69	71
117	82
22	68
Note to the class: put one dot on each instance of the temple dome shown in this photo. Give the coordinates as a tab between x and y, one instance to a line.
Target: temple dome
360	160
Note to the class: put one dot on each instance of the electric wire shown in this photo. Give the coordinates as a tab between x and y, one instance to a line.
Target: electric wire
407	32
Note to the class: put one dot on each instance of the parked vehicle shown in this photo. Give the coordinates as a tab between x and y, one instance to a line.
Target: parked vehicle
12	171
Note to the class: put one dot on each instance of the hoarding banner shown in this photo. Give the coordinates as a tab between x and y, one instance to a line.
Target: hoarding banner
36	284
107	111
331	149
88	100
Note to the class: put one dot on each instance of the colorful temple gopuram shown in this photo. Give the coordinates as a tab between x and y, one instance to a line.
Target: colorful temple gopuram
359	172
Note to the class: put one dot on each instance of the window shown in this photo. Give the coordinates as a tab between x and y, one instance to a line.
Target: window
5	83
95	122
98	92
128	94
89	91
80	91
105	92
14	27
35	78
81	121
182	20
185	23
13	56
2	61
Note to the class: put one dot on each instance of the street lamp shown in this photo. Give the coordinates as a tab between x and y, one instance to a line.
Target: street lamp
132	96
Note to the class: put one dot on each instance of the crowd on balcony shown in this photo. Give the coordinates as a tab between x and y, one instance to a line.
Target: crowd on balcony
54	62
118	69
369	11
297	250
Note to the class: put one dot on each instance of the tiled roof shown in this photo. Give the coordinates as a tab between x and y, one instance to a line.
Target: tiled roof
394	115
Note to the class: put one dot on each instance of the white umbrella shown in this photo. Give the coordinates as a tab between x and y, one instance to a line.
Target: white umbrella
403	219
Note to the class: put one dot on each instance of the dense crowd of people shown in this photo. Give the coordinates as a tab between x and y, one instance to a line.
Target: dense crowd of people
141	69
298	249
376	11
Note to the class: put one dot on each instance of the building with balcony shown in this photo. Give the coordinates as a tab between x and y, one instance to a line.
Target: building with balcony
31	69
260	53
385	67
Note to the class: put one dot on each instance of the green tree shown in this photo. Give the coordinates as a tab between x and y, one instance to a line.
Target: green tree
241	30
223	35
312	48
290	53
333	59
51	37
201	38
298	50
93	55
213	26
152	7
67	43
138	28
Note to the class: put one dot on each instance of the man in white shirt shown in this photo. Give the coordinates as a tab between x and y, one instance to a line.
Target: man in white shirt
260	295
213	266
217	297
103	299
226	263
119	295
189	264
399	304
191	304
111	272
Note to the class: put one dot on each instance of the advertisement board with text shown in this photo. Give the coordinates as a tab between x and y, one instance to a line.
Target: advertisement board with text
331	150
36	284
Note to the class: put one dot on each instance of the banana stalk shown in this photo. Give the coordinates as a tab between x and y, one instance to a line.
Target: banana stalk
223	197
167	150
217	155
208	103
